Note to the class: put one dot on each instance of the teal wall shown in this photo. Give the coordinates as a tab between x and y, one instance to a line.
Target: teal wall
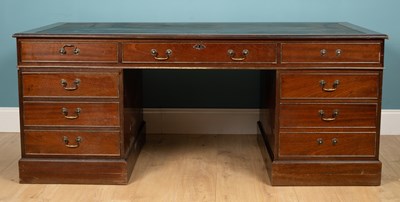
21	15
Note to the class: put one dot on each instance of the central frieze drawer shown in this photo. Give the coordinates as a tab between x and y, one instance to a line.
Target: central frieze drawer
150	52
329	85
327	144
68	51
331	53
63	143
76	84
326	115
71	114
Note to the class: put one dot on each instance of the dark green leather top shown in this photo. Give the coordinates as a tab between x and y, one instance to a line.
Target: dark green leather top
204	30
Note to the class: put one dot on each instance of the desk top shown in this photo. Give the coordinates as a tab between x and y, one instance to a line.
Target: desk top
204	30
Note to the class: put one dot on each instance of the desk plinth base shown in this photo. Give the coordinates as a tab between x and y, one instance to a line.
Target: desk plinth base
319	172
81	171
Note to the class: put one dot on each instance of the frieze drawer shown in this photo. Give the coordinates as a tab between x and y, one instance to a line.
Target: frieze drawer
68	51
331	53
189	52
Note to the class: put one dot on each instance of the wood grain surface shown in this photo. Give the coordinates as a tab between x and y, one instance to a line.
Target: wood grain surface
197	168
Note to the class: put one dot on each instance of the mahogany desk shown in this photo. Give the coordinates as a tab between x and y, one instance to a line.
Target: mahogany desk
80	96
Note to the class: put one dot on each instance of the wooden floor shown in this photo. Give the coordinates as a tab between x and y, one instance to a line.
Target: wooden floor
197	168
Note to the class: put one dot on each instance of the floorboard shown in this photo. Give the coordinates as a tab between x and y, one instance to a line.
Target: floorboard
197	168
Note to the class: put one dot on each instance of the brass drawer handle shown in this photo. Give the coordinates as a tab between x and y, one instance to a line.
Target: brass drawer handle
65	113
323	52
78	140
154	53
332	118
320	141
334	141
338	52
63	50
232	54
334	85
64	84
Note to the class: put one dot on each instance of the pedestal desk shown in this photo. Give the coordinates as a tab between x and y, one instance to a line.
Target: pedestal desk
80	96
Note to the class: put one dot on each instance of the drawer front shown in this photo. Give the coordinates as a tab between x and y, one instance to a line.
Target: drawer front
329	85
203	52
69	51
40	84
71	114
327	144
60	143
324	115
331	53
